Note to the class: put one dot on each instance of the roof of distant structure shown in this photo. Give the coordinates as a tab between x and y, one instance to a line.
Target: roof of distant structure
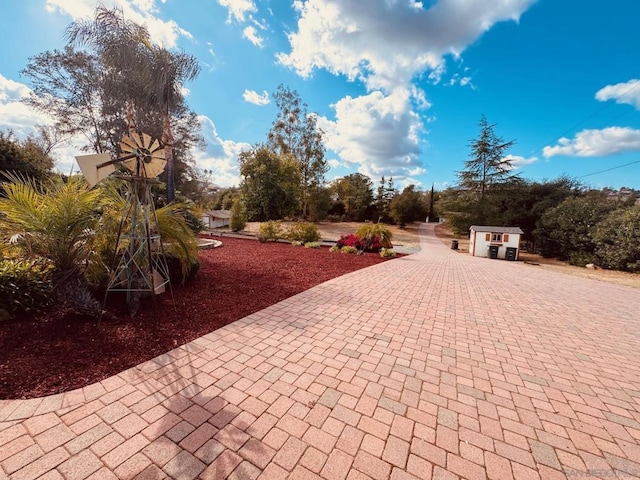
218	213
483	228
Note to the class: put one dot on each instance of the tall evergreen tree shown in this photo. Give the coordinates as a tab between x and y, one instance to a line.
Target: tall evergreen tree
431	213
487	165
485	171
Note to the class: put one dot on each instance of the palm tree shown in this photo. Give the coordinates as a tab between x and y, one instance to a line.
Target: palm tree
177	237
150	74
74	227
122	45
166	75
56	220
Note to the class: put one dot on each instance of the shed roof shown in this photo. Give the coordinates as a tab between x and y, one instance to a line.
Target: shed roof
218	213
483	228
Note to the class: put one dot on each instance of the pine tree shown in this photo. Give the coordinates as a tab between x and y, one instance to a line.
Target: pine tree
487	164
487	169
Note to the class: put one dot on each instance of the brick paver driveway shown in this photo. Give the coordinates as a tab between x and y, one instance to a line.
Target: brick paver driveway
436	365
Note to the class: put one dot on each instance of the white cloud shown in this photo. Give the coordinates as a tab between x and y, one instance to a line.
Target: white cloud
388	43
22	120
256	98
378	132
14	114
456	79
333	163
221	156
163	32
518	161
250	33
238	9
628	92
420	97
597	143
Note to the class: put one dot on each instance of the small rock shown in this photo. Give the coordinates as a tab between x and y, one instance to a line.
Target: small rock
591	266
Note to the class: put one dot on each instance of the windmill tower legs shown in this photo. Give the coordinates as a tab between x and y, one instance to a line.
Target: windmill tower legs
139	266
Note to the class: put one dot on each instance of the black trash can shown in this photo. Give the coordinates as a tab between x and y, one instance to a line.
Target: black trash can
493	251
454	244
512	254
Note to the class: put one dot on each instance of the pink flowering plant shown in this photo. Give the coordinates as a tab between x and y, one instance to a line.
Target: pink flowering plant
366	244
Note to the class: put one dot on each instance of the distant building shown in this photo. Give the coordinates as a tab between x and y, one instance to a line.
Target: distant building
216	218
494	242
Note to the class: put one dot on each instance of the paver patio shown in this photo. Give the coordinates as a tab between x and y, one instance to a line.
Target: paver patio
437	365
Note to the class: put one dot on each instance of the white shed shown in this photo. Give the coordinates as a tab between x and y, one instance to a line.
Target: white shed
495	242
216	218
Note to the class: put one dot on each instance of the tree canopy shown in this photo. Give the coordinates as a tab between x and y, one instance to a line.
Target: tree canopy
27	157
355	192
482	183
408	207
109	79
295	132
270	184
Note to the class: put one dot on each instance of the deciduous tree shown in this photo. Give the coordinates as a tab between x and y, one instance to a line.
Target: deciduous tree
567	231
270	184
295	132
27	157
120	81
408	206
355	192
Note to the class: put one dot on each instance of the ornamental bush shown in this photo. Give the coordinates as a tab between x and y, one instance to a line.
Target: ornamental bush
25	285
348	249
271	230
387	253
374	236
350	241
238	220
303	232
312	245
366	244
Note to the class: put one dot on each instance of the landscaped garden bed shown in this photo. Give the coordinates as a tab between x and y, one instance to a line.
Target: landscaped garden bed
59	351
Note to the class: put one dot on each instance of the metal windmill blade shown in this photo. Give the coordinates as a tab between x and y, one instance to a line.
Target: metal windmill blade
142	155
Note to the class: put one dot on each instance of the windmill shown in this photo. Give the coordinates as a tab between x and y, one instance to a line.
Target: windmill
139	265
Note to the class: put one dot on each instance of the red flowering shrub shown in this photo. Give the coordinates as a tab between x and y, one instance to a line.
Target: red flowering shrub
350	241
370	244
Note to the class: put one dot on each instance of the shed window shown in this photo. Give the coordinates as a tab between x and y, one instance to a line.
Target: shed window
496	237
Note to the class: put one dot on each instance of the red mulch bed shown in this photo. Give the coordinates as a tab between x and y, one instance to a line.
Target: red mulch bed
59	351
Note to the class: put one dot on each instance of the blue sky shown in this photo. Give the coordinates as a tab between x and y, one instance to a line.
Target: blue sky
399	85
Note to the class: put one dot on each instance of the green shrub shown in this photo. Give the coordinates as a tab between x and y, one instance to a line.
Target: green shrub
271	230
581	259
369	232
617	240
195	223
296	243
334	249
25	285
303	232
312	245
238	220
348	249
387	253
